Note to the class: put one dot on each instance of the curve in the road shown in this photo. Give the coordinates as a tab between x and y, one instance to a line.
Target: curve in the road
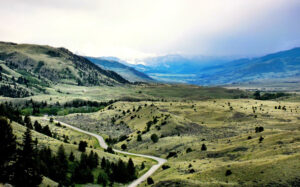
103	144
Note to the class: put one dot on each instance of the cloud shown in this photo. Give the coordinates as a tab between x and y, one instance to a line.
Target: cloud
135	28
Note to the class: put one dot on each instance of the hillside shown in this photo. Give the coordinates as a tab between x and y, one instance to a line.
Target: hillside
125	71
31	68
220	142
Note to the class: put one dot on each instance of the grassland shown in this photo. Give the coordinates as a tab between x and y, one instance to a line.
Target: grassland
225	126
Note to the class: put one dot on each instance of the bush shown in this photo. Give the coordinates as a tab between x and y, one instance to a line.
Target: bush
259	129
82	146
228	172
172	154
188	150
154	138
139	138
164	167
123	146
203	147
150	181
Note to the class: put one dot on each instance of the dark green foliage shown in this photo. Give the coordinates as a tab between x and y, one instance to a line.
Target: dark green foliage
37	126
27	122
261	139
123	146
82	146
188	150
102	179
172	154
14	91
269	96
228	172
71	157
27	171
82	173
150	181
203	147
164	167
131	170
259	129
7	149
109	150
154	138
139	138
46	131
7	110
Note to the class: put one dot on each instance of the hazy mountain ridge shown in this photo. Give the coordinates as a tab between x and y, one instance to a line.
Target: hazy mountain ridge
218	71
125	71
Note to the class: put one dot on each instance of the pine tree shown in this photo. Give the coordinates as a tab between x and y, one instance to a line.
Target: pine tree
37	126
71	157
62	165
27	171
131	169
7	149
27	122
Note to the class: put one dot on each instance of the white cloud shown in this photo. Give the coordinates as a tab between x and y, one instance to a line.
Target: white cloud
136	28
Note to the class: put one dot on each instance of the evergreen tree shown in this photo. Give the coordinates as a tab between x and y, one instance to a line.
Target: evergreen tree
7	149
61	164
27	122
37	126
154	138
203	147
102	179
82	145
139	138
27	172
131	170
46	130
71	157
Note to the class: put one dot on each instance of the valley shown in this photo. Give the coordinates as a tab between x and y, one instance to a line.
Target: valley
208	136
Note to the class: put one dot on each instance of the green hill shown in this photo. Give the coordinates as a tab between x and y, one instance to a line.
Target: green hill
31	68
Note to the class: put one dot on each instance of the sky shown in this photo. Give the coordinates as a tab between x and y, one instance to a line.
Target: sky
132	29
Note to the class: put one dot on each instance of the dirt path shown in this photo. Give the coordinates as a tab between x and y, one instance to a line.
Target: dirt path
103	144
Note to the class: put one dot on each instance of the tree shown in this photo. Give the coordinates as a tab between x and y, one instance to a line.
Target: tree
27	122
150	181
131	170
27	172
203	147
71	157
261	139
154	138
7	149
139	138
102	179
82	146
123	146
46	130
37	126
61	165
256	95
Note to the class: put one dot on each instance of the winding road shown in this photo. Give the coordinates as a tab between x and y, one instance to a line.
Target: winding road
103	144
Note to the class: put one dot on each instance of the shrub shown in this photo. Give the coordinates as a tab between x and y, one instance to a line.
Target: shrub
172	154
150	181
139	138
82	146
123	146
164	167
203	147
188	150
154	138
259	129
228	172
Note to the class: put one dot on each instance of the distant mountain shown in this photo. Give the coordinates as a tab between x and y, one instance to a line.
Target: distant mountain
125	71
281	65
220	71
33	67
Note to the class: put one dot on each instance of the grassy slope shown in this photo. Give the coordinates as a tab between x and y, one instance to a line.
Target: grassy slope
224	131
74	136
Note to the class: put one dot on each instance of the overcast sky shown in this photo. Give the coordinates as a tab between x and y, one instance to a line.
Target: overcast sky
140	28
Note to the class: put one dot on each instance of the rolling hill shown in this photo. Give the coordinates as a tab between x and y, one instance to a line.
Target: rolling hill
125	71
31	68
